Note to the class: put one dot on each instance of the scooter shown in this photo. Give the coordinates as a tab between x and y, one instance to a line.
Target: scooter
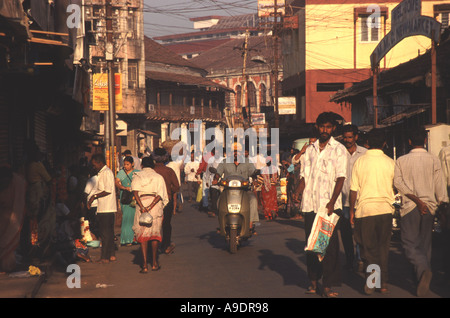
234	210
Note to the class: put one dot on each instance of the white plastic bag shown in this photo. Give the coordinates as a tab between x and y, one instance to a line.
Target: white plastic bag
321	232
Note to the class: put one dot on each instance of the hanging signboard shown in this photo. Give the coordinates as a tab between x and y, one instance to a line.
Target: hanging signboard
286	106
406	21
118	90
100	98
258	118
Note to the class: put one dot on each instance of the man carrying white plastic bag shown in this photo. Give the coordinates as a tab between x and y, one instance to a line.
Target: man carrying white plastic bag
322	175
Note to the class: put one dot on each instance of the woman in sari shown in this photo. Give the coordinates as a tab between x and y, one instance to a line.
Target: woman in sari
150	191
268	178
123	182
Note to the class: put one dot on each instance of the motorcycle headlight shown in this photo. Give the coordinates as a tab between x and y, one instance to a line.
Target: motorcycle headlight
234	183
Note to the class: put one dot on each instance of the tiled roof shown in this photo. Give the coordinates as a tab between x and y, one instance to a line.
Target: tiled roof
157	53
184	79
229	54
195	47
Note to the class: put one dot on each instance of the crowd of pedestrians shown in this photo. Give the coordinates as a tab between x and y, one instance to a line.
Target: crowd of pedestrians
359	185
341	176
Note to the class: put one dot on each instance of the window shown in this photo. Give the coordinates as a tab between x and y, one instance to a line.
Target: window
444	19
442	13
366	23
263	95
238	96
132	75
369	29
329	87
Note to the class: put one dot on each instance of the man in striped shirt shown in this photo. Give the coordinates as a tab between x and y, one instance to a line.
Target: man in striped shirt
419	179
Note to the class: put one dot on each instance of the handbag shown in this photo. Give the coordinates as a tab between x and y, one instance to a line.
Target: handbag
127	196
321	232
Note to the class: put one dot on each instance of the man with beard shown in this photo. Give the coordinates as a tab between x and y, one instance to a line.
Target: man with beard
354	151
322	175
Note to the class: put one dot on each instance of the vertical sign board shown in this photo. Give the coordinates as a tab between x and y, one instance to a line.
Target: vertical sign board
118	90
100	98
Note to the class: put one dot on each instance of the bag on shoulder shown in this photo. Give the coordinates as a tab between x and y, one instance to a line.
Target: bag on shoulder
127	197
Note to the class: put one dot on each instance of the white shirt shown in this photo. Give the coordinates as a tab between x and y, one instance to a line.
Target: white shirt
176	167
91	188
444	156
351	158
106	182
189	175
148	181
321	169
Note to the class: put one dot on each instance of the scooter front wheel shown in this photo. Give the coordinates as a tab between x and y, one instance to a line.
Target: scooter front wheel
233	241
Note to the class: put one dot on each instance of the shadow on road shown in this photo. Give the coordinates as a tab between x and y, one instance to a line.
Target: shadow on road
286	267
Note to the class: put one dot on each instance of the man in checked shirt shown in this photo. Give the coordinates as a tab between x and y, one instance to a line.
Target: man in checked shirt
419	179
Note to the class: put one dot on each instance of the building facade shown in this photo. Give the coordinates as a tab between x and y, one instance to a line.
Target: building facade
330	50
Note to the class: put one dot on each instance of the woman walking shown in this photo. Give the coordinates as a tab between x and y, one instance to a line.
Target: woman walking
150	191
268	178
123	183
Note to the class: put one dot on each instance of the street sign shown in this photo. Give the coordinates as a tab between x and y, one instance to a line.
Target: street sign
287	106
100	98
258	118
406	22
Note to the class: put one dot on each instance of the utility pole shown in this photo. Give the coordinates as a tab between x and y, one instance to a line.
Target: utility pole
244	82
275	71
110	115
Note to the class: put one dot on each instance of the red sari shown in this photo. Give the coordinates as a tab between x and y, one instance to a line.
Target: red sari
269	194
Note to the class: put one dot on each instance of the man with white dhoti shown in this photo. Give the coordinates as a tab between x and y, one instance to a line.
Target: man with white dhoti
149	189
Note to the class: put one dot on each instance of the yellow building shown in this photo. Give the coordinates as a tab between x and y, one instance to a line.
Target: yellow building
331	48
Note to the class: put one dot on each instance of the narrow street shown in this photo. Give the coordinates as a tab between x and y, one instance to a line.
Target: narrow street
270	265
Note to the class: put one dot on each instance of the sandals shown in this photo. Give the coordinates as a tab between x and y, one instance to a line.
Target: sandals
170	249
156	268
311	290
328	293
144	270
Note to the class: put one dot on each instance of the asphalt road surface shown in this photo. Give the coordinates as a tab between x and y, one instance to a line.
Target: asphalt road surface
271	265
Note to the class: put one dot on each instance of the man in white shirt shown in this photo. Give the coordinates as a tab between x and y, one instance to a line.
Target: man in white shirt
89	191
191	177
106	207
419	179
354	151
322	175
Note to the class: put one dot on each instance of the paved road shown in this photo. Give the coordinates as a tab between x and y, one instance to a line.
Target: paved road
270	265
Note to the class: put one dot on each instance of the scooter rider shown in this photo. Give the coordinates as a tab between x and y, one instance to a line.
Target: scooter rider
244	169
